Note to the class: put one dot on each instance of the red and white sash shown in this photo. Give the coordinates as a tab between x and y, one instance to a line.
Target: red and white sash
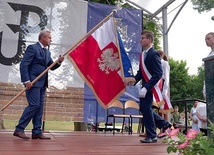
155	90
167	106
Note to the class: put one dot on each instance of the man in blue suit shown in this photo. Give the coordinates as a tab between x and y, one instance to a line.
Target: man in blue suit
36	59
150	71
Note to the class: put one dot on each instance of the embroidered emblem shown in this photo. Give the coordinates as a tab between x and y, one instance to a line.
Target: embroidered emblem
130	71
109	61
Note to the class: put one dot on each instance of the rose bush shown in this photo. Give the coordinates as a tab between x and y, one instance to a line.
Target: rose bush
193	143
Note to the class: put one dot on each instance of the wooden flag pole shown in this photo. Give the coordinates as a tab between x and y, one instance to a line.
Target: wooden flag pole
36	79
46	70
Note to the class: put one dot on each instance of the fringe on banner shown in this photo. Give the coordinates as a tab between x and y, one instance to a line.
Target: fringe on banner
168	111
158	104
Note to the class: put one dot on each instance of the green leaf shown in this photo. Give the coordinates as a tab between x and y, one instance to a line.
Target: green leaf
169	149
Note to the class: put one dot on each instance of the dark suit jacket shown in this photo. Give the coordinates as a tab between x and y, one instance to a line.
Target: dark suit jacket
33	64
153	65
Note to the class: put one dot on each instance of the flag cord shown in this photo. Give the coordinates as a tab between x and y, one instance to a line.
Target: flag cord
54	63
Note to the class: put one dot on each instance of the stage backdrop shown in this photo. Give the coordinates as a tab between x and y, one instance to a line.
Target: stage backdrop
68	21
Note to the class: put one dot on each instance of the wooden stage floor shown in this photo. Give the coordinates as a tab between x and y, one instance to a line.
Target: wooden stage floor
79	143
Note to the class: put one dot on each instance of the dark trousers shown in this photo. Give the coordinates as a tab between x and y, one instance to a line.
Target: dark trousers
204	131
34	111
150	118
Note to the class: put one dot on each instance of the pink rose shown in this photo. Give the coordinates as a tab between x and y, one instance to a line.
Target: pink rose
192	134
172	132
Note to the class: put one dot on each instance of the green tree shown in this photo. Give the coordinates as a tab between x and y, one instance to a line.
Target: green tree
183	85
203	5
196	84
179	80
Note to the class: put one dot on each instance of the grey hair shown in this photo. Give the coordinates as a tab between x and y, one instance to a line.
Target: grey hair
43	33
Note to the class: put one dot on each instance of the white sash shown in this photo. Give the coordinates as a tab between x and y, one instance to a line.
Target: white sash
155	90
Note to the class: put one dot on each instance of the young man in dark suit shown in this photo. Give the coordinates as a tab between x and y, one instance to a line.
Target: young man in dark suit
150	71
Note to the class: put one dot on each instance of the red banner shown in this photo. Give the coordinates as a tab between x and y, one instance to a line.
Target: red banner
97	60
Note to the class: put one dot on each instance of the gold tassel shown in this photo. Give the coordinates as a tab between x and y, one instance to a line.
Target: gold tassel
158	104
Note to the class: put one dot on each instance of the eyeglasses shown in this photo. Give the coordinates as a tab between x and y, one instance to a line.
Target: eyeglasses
143	38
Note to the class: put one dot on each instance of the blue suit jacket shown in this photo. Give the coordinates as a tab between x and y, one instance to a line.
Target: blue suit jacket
153	65
33	64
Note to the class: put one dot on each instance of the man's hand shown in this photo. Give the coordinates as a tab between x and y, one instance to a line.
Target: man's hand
142	92
60	59
204	120
129	81
195	121
28	85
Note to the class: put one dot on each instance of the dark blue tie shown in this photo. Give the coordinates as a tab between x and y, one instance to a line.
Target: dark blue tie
145	53
44	50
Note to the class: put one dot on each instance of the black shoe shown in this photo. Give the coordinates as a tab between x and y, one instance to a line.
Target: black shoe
40	137
149	140
168	125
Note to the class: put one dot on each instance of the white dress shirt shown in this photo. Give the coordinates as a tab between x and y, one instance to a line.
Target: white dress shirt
201	109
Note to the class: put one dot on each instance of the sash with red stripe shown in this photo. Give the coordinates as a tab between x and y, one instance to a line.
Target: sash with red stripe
167	106
158	98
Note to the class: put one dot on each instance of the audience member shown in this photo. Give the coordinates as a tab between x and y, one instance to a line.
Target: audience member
194	117
182	119
175	118
188	114
201	112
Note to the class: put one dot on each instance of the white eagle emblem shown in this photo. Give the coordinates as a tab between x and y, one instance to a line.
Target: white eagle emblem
109	61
